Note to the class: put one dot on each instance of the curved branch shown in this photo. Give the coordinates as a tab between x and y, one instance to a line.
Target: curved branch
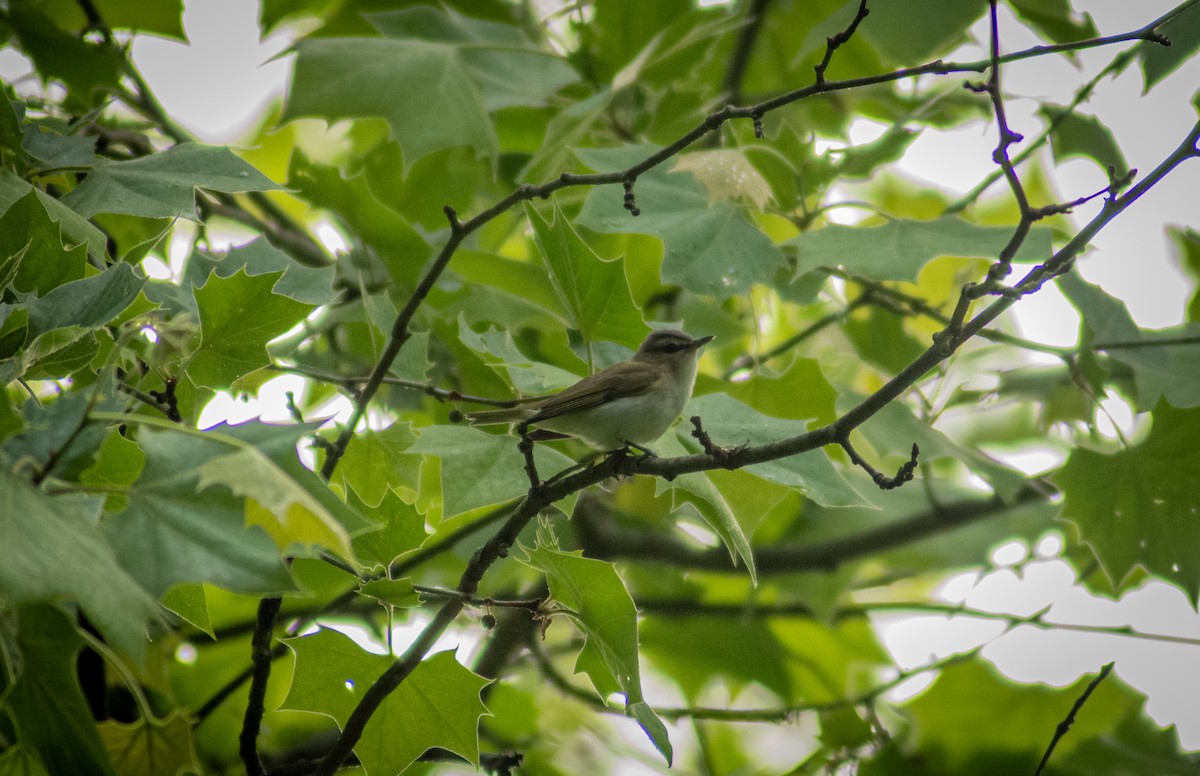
607	543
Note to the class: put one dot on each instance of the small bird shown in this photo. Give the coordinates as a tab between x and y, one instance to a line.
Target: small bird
629	404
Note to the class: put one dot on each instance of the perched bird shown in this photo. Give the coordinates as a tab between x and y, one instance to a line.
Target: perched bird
629	404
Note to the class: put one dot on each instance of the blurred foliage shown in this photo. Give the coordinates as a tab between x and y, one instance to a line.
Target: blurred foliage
708	610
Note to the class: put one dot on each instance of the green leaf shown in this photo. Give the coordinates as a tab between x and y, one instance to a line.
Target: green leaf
238	316
76	229
58	353
880	338
119	461
802	392
377	461
161	17
18	760
88	67
12	111
503	63
45	703
171	533
594	291
901	247
47	141
695	651
480	469
731	423
46	536
604	613
1168	371
916	31
288	512
310	285
712	506
89	303
32	256
391	592
49	426
436	706
1138	747
1080	135
1055	20
163	185
708	247
1159	61
529	377
402	250
402	529
1013	719
1138	506
190	601
1187	247
861	161
526	280
330	76
151	747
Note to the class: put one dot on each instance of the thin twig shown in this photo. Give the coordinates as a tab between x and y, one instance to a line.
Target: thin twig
1065	725
835	42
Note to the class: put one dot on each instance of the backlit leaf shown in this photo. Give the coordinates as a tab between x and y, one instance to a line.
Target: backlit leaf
604	613
1138	506
900	248
238	316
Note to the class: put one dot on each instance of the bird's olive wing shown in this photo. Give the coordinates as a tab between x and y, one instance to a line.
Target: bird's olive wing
630	378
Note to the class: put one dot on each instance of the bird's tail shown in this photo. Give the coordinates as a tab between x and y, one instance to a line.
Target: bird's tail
491	417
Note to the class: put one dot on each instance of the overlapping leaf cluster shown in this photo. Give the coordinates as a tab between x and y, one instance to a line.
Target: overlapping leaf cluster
134	546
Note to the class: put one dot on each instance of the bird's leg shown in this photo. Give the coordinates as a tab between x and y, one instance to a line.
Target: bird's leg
643	450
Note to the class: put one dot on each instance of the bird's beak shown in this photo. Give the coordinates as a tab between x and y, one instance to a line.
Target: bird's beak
701	342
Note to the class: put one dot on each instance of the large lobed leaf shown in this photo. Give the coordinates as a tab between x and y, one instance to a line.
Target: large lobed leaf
428	63
1170	370
170	532
239	315
163	185
901	247
708	247
594	292
603	611
438	704
1138	505
53	551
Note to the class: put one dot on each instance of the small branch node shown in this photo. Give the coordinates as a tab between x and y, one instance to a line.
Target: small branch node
452	217
722	455
756	117
834	42
630	202
526	448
